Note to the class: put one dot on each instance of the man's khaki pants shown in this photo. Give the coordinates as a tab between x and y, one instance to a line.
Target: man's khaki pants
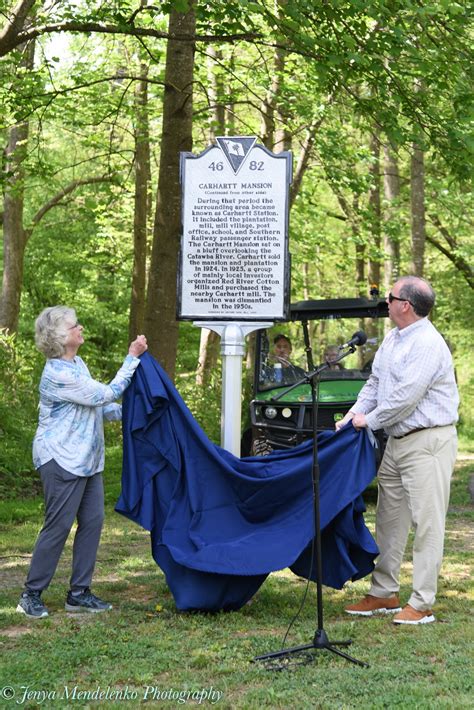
414	480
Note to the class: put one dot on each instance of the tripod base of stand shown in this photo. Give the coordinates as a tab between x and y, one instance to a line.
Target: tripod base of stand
320	643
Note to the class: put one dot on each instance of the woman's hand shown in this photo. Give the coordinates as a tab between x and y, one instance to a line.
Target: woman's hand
138	346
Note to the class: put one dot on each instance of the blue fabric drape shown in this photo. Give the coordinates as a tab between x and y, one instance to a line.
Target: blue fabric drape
219	524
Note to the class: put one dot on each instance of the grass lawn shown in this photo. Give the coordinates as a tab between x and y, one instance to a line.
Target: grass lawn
151	654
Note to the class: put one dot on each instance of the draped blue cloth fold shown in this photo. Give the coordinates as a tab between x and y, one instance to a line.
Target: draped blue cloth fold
219	524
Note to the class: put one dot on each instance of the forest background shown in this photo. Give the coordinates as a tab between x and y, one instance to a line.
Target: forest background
97	100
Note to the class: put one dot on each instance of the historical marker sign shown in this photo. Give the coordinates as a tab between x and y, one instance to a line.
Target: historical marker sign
234	250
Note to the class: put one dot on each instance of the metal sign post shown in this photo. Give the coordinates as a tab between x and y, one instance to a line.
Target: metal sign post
234	271
232	350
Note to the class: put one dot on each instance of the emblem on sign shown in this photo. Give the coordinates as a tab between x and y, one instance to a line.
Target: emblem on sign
236	149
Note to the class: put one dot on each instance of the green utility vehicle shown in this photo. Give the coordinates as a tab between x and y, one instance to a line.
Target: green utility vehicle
285	353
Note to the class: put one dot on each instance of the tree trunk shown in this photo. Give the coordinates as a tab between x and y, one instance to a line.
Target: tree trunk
360	248
418	222
14	234
267	109
392	193
274	136
360	269
216	92
361	288
14	237
375	212
209	341
230	108
208	356
305	269
16	20
372	325
160	315
140	221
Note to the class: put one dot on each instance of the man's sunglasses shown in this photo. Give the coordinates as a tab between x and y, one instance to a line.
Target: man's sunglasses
391	298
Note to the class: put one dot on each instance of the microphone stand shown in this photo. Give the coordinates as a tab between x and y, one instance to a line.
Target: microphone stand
320	640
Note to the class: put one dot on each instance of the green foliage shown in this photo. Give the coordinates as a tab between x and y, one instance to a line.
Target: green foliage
203	402
20	366
349	69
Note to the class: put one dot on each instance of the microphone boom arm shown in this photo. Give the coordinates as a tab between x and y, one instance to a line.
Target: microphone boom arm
311	375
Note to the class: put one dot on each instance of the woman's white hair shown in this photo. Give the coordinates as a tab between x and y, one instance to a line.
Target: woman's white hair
51	330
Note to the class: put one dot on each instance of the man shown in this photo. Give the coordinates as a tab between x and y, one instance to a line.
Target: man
412	395
282	349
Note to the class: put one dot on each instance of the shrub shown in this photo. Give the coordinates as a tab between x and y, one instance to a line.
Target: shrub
20	368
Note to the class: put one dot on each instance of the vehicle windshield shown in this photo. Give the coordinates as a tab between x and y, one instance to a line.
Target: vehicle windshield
282	360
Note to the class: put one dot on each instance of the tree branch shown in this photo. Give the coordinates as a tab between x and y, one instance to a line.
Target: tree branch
58	198
87	84
305	154
459	262
437	223
13	29
334	215
12	37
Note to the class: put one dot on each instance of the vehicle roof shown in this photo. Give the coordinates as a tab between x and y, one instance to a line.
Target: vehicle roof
339	308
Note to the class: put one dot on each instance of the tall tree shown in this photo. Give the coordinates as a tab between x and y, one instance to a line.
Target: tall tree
160	314
274	134
142	200
417	203
375	211
392	193
375	227
14	234
209	340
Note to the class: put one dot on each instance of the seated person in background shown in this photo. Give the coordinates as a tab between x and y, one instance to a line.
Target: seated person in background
280	368
277	370
282	350
330	354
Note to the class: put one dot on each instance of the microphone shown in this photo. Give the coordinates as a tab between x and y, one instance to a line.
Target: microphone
358	338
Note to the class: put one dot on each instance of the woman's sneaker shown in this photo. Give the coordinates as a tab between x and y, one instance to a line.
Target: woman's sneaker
86	601
31	605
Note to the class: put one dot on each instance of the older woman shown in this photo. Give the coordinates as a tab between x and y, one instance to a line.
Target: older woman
68	451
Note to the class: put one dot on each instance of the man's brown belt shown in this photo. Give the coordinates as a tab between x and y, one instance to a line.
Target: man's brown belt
413	431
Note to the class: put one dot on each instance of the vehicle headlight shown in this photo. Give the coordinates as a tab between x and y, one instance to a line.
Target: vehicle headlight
286	412
270	412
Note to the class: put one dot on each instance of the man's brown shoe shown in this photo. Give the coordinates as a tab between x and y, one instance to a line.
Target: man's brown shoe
409	615
370	605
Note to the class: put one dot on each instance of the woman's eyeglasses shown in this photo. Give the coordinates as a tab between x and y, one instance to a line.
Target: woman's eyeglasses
74	326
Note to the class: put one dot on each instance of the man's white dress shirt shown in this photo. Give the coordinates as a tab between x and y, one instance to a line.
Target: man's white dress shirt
412	385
